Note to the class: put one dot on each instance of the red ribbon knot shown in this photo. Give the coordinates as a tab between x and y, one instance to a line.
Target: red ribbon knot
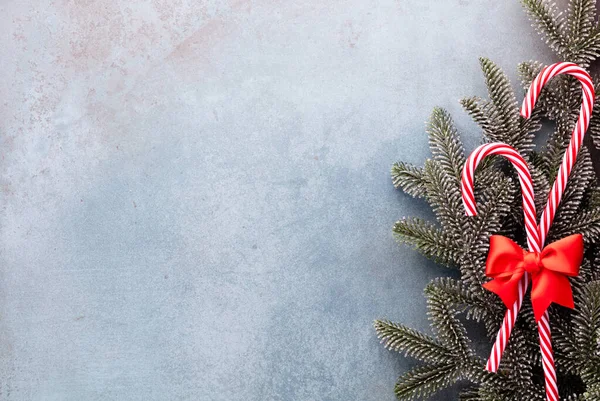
507	262
531	262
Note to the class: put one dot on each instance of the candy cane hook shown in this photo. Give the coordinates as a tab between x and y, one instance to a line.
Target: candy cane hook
558	187
547	215
583	122
531	227
533	238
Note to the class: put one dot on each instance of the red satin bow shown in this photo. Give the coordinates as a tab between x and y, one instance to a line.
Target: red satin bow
507	262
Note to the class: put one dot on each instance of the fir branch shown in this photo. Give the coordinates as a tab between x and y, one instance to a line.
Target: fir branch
541	187
582	175
429	240
481	306
592	393
594	127
548	22
580	19
587	330
564	348
448	328
479	112
494	206
400	338
444	196
409	178
587	273
558	142
444	142
470	394
585	49
424	381
499	118
528	70
448	354
505	103
586	223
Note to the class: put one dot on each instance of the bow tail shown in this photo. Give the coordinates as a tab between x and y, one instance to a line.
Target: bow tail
548	287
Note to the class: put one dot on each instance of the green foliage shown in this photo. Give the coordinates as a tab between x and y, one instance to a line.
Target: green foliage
575	38
423	381
444	142
409	178
454	240
499	117
414	344
429	239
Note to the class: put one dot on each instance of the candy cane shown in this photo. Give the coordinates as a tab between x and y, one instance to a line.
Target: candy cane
558	187
533	238
531	227
576	139
547	216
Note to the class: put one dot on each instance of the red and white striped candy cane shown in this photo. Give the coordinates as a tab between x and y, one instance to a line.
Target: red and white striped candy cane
531	227
533	238
547	215
558	187
570	156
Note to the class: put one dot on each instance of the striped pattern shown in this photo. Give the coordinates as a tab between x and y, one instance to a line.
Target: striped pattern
507	325
570	156
468	197
533	237
558	187
536	236
548	358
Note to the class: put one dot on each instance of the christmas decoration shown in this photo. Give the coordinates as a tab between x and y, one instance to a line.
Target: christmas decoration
462	242
549	267
510	267
537	237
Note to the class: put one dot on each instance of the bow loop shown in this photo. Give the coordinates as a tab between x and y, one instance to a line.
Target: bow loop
507	262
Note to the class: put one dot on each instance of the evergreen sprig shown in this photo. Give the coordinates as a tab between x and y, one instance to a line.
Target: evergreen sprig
459	242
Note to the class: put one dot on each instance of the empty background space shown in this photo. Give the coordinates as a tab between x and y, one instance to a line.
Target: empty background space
195	195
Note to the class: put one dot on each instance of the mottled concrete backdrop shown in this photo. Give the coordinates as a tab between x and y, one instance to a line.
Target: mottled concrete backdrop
195	195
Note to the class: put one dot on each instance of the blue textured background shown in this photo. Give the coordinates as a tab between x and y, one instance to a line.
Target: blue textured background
195	196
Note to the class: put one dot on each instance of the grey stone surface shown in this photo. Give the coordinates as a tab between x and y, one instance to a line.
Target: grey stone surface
195	197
